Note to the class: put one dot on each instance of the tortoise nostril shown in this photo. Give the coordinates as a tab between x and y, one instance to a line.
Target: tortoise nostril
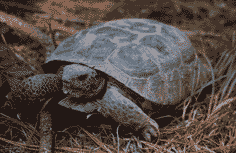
82	77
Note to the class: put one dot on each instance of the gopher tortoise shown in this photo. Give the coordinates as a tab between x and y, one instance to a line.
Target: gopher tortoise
111	66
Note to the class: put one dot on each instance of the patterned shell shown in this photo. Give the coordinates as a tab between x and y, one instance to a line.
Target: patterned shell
151	58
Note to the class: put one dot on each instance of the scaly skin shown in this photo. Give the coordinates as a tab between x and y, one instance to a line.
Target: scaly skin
124	111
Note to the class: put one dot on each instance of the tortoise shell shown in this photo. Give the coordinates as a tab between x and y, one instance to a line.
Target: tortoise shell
151	58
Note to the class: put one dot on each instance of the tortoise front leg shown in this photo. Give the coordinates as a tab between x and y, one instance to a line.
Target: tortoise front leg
124	111
29	92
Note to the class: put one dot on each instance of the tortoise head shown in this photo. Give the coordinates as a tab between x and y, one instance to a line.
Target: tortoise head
81	81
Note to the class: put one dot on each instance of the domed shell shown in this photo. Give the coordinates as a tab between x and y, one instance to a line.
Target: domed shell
149	57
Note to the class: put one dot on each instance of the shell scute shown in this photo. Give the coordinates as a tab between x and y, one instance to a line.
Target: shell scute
132	61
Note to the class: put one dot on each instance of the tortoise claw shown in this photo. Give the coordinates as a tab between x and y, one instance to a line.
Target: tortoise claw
151	131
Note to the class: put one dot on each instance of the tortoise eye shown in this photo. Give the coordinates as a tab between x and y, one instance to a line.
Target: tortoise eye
83	77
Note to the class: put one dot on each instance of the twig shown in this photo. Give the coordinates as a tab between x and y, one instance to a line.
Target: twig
46	132
233	39
3	38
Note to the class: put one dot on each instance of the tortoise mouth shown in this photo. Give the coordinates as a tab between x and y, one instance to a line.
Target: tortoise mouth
87	107
72	92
